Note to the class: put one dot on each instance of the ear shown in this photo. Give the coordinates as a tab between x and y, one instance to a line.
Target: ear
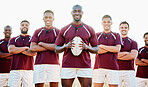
111	22
82	12
53	19
71	12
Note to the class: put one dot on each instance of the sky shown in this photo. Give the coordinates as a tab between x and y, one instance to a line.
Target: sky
12	12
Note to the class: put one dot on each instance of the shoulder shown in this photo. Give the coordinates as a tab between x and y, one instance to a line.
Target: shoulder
88	27
133	41
63	29
1	41
141	49
38	30
56	29
99	33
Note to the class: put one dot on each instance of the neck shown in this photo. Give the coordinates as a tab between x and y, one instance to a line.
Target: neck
24	34
7	38
124	36
107	31
77	23
48	26
146	46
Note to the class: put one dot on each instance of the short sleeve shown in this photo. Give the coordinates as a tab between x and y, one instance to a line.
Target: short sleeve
134	45
60	39
139	54
35	37
11	41
118	39
93	38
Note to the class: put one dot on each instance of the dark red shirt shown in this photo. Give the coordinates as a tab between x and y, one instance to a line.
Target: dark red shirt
47	36
21	61
108	60
128	45
142	71
4	63
67	33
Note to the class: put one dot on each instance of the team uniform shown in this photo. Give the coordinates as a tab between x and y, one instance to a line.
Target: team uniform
126	67
79	66
21	65
106	65
4	64
142	71
46	68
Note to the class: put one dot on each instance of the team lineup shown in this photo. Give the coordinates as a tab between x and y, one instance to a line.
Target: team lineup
116	55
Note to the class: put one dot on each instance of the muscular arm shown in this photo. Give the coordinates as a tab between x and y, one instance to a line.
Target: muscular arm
145	60
121	54
114	49
15	50
130	56
101	51
47	46
29	53
3	55
36	48
140	63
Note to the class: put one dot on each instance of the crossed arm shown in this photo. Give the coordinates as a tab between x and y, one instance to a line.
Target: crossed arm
41	46
142	62
105	49
5	55
128	55
24	50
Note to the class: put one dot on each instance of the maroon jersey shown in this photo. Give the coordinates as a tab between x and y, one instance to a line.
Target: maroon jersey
47	36
4	63
21	61
142	71
108	60
128	45
67	33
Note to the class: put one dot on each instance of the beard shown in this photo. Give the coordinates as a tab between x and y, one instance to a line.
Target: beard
146	43
24	32
77	20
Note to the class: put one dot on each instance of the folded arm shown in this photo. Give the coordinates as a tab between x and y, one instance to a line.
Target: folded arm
34	47
15	50
129	56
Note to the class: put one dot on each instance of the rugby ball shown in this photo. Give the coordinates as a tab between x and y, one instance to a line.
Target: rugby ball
76	51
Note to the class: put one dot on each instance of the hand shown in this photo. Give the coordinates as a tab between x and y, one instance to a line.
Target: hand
70	44
26	48
83	45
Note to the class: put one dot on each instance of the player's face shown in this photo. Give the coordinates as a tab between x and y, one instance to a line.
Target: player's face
7	32
106	22
24	27
124	29
146	40
48	19
77	14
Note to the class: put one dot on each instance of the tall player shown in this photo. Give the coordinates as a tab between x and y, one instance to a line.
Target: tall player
5	56
106	65
79	66
126	56
142	63
22	61
46	68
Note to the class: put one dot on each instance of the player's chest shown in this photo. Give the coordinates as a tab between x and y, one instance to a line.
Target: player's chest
144	54
81	32
22	42
47	36
107	40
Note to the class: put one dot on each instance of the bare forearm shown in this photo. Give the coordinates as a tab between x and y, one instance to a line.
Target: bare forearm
48	46
29	53
16	50
59	49
140	63
3	55
37	48
101	51
114	49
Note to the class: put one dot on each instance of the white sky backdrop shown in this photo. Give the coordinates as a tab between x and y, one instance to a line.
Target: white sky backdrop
12	12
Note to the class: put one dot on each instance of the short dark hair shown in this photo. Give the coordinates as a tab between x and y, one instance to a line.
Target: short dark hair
145	34
49	11
106	16
77	6
124	22
24	21
8	26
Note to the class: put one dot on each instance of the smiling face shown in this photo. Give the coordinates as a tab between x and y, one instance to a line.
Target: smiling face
77	13
24	27
146	39
7	32
124	29
48	19
106	22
